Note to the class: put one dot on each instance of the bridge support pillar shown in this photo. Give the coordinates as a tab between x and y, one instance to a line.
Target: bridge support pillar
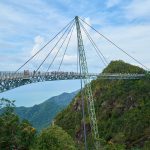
86	80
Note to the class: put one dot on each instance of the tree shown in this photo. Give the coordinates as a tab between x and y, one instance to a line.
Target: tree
54	138
15	134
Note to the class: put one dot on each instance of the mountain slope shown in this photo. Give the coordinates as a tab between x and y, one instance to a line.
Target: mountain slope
41	115
122	110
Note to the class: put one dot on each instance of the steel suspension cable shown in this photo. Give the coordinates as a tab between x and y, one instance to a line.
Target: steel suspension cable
110	41
44	46
52	48
60	47
66	48
99	53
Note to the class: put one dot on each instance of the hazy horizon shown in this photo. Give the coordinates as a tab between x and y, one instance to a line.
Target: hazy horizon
37	93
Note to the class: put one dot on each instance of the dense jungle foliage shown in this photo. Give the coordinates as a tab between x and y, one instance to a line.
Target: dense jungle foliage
17	134
122	110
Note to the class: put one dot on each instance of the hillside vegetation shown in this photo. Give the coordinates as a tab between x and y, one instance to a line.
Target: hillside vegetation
122	110
41	115
17	134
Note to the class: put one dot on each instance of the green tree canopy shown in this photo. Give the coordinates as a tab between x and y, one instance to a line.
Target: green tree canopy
14	133
54	138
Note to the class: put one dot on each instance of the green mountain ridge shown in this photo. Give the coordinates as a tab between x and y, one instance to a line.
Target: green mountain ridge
122	110
122	67
41	115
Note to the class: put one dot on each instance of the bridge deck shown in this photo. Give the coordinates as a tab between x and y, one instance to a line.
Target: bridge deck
10	80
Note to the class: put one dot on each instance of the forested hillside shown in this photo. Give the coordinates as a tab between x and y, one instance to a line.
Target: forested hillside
40	116
17	134
122	110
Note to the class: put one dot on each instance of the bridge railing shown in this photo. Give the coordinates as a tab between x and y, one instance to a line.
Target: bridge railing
5	75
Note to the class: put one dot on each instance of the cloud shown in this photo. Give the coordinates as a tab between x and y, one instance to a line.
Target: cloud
138	9
129	37
70	59
112	3
27	26
24	20
38	42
